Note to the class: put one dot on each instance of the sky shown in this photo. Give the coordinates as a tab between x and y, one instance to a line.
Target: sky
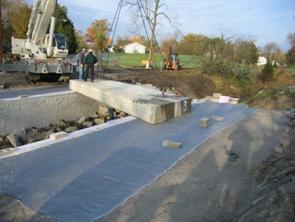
263	21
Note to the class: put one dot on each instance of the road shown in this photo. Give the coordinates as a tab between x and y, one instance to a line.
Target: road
12	93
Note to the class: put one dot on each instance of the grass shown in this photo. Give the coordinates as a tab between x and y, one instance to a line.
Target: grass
135	60
291	69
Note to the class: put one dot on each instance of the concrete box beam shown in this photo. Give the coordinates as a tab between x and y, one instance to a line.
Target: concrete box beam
143	103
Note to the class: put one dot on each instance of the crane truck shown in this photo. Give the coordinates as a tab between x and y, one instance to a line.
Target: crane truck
43	52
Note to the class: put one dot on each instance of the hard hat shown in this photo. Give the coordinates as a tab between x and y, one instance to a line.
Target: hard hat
83	50
90	50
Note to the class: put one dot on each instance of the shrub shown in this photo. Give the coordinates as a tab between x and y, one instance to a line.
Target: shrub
227	68
267	72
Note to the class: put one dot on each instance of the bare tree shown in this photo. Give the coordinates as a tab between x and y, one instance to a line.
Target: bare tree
270	50
151	13
291	38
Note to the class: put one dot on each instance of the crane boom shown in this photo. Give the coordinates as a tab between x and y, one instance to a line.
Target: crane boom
42	18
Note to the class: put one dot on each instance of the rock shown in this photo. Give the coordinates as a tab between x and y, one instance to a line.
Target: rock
122	114
2	140
2	86
62	123
114	114
95	116
14	140
98	121
104	111
23	135
71	129
83	119
38	135
87	124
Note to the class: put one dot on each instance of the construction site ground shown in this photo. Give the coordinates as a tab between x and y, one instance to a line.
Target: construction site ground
244	173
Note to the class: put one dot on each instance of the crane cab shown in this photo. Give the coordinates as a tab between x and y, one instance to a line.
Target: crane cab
59	45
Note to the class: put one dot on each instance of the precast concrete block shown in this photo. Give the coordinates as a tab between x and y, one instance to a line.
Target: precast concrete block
143	103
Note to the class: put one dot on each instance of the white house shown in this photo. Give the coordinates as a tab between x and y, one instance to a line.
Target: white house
261	61
135	47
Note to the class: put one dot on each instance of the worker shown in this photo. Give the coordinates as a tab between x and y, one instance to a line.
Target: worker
90	61
82	64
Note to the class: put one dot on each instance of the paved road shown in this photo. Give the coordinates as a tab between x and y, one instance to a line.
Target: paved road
85	178
12	93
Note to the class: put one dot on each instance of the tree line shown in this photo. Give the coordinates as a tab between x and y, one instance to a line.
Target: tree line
214	49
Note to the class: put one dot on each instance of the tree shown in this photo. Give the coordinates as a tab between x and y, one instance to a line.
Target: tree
151	12
15	18
245	51
97	34
18	13
267	72
167	42
138	38
80	40
193	44
65	26
270	50
291	39
291	53
120	43
291	56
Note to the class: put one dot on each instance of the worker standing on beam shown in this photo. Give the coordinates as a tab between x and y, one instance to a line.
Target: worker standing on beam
82	64
90	61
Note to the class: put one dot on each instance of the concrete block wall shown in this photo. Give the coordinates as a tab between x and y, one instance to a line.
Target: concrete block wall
40	111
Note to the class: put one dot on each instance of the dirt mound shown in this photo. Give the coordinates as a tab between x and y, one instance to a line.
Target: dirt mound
276	99
274	198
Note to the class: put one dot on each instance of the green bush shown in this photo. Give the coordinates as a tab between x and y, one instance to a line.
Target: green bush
267	72
227	68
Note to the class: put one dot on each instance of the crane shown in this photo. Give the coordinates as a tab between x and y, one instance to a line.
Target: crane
43	51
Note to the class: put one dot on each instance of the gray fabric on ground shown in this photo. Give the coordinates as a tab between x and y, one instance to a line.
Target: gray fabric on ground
85	178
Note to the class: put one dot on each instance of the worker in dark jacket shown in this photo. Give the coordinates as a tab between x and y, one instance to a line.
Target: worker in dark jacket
90	61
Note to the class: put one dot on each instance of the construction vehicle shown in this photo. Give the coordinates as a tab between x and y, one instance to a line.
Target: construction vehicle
172	61
43	52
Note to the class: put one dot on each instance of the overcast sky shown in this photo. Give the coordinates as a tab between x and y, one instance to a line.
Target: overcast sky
261	20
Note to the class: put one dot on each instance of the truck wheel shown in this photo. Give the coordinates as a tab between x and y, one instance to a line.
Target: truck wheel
32	78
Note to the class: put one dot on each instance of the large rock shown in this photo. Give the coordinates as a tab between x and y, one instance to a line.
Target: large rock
2	140
87	124
98	121
62	123
104	111
83	119
14	140
122	114
71	129
36	135
23	135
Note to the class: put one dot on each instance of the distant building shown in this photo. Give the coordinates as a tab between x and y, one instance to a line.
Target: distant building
261	61
111	49
135	47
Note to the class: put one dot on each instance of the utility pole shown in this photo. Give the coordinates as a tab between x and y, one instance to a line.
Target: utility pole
1	34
